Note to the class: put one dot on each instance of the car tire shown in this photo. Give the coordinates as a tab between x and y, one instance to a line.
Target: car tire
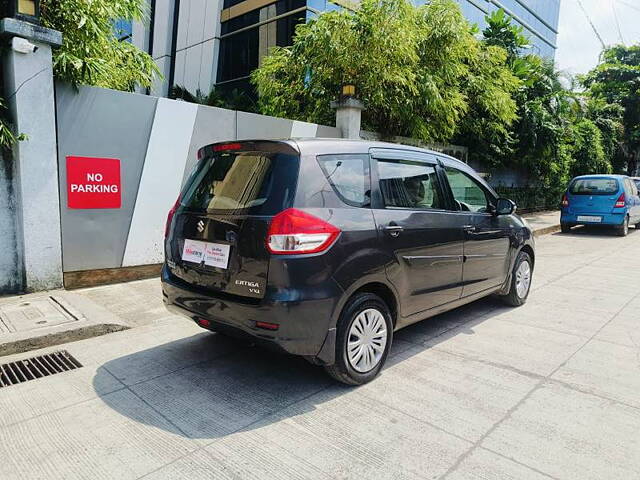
521	277
362	311
565	227
623	230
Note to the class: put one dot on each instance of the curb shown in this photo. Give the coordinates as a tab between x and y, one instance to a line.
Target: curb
546	230
53	339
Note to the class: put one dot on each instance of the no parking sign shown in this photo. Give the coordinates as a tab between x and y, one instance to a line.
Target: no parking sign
93	182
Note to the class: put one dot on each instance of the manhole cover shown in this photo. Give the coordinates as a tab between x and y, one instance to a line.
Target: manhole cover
36	313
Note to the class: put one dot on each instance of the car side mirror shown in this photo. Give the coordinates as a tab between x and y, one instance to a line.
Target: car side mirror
504	206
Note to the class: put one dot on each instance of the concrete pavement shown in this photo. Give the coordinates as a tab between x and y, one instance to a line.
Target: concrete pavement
548	390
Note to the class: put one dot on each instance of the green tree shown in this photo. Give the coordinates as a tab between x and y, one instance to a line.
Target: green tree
608	118
559	132
419	70
587	151
491	141
502	33
90	53
616	80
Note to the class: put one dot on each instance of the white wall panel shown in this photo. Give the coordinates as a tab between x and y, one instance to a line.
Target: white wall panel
161	179
303	129
212	125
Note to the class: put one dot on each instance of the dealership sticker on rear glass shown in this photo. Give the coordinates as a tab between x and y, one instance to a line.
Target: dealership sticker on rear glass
193	251
216	255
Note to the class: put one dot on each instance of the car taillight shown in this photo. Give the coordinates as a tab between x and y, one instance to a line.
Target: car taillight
565	200
170	215
294	231
621	202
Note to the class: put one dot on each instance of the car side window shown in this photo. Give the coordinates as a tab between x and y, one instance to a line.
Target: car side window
406	184
349	177
468	194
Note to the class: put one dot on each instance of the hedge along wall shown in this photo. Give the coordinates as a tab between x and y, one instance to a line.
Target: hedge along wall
155	141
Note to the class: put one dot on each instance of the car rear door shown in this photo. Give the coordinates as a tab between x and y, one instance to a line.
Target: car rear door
594	196
409	207
486	236
217	236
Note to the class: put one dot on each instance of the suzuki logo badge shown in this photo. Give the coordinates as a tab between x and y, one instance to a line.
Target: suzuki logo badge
201	226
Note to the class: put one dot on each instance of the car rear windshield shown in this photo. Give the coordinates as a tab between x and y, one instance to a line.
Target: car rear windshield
594	186
254	183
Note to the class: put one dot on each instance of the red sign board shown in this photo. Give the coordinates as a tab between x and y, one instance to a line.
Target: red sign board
93	182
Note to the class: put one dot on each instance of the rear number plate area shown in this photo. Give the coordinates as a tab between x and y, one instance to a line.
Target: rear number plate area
589	218
211	254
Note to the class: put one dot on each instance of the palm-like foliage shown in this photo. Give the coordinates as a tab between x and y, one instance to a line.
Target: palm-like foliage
559	132
234	99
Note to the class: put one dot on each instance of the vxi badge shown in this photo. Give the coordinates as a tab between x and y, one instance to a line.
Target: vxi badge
253	287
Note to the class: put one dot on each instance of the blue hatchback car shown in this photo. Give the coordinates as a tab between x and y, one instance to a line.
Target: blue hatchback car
601	200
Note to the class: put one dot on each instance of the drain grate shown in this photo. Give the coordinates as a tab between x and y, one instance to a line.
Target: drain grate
37	367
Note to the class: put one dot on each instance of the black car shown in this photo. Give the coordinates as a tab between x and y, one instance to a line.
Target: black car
324	247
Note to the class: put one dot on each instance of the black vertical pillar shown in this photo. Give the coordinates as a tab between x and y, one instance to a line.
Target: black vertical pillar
174	44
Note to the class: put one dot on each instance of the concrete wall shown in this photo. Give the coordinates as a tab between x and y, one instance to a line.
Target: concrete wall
10	265
156	140
28	85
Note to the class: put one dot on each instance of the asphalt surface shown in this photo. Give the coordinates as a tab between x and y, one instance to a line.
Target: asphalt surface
548	390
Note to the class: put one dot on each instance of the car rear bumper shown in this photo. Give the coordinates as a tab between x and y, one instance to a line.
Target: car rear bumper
305	324
607	218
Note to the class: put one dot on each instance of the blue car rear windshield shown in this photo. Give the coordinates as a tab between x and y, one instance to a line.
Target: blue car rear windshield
594	186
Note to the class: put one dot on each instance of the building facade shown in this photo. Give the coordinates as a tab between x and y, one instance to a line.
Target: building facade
538	17
199	44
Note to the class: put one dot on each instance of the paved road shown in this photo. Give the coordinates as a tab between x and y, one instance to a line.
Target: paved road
549	390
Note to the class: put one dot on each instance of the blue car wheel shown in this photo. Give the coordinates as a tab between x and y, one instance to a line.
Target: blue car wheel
623	230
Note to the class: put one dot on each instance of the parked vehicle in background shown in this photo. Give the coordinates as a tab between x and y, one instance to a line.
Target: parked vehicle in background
636	180
324	247
610	200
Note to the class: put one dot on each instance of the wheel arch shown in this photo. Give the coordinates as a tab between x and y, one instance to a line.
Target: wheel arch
386	294
529	250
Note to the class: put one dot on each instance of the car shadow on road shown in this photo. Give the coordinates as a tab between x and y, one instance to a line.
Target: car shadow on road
208	386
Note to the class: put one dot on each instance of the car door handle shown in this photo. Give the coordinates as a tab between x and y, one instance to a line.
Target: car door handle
470	229
393	230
